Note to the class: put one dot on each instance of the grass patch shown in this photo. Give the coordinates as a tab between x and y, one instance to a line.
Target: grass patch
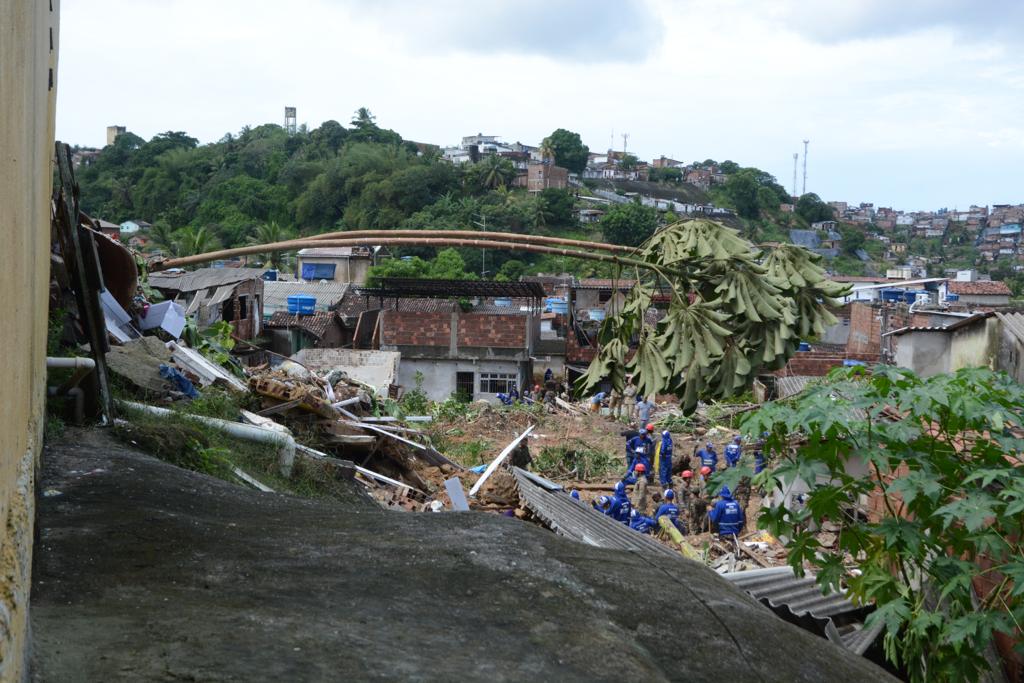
579	461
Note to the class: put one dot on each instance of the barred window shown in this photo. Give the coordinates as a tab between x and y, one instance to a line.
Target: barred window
496	383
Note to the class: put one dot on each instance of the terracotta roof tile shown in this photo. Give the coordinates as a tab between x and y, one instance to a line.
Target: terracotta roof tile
992	287
315	324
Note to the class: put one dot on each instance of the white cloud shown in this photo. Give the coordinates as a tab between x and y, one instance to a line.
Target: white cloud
893	96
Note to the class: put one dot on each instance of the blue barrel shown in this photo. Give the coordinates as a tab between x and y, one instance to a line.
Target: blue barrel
596	314
557	305
301	304
804	346
270	276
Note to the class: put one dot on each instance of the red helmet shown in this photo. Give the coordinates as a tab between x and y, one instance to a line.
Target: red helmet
650	427
705	471
640	467
687	474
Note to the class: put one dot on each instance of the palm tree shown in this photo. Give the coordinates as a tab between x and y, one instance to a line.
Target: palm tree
497	172
191	241
547	150
162	235
267	233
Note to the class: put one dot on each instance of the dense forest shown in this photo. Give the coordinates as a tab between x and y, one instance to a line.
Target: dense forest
265	184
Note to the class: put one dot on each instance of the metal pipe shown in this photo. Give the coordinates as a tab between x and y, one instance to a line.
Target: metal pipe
285	443
76	363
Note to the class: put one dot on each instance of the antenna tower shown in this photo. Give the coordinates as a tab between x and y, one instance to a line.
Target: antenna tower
289	120
795	157
625	141
806	142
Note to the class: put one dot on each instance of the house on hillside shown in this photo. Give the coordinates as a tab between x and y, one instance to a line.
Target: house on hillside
132	226
971	342
544	176
326	294
474	338
979	293
290	333
210	295
340	264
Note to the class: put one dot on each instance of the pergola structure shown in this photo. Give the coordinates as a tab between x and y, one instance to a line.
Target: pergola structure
403	287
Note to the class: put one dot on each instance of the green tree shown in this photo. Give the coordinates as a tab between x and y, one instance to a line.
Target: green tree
629	224
853	240
568	150
628	162
812	209
556	207
742	191
267	233
941	455
496	172
511	271
190	241
729	167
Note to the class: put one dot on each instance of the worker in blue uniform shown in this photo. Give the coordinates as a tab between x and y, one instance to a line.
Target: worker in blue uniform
664	460
639	449
733	452
642	523
727	514
670	510
708	457
603	504
620	507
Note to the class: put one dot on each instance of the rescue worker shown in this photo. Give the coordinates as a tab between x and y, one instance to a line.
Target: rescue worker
733	452
506	399
708	457
643	409
548	375
669	509
620	507
758	461
638	479
726	515
615	402
698	509
642	523
595	401
602	504
514	394
639	449
663	460
574	494
627	399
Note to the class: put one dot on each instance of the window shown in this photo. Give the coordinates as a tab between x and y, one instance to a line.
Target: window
318	271
230	313
496	383
464	385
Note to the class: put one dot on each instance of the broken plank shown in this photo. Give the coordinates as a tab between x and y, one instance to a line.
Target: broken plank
498	460
251	481
458	497
750	553
280	408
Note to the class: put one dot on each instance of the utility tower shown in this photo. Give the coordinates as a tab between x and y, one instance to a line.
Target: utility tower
796	155
289	120
806	142
625	141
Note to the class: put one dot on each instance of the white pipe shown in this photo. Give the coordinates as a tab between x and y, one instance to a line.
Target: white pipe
284	442
77	363
346	402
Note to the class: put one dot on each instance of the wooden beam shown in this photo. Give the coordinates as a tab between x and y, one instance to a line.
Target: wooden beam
498	460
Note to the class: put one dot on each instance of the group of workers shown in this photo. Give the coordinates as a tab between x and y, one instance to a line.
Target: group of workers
647	458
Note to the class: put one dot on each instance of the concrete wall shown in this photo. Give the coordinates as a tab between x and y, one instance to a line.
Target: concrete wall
439	375
28	68
352	270
975	346
926	353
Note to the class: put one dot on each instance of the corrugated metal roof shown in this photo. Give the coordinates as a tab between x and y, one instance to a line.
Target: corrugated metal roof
576	520
203	278
1014	324
327	294
315	324
801	602
791	386
963	322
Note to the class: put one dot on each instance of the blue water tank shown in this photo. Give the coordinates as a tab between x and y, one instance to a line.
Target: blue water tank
952	297
596	314
270	276
804	346
557	305
301	304
504	302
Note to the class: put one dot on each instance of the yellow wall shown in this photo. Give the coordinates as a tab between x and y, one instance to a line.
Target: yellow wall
27	99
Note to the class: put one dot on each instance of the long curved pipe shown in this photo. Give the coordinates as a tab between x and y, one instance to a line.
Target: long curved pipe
382	239
471	234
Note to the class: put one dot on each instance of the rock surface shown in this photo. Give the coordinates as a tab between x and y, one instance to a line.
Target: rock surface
148	572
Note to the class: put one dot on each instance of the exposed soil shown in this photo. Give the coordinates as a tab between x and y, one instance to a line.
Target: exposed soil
145	572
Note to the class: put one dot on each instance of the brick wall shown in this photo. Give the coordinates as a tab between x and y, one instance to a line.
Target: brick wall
866	326
574	353
494	331
411	328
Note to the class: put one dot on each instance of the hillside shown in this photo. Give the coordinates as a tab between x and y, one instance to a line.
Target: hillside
683	192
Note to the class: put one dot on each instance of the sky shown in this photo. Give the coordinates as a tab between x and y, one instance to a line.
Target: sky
913	104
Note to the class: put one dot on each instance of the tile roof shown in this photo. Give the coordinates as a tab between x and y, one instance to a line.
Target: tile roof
606	283
315	324
992	287
203	278
353	303
861	278
327	293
